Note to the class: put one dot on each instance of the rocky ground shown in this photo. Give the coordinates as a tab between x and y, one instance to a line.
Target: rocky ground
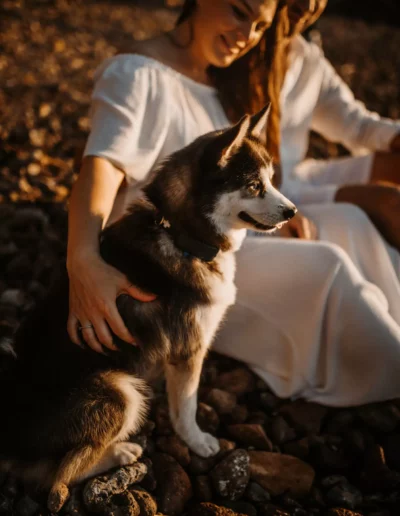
278	458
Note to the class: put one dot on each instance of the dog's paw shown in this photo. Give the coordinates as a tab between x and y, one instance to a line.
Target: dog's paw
205	445
57	497
126	453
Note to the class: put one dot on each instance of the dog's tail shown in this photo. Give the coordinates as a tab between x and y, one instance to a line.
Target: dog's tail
7	351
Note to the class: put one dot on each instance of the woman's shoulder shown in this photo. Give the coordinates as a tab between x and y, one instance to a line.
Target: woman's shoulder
128	66
300	47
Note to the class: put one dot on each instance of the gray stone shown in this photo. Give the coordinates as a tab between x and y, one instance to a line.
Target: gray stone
231	476
382	417
256	493
344	495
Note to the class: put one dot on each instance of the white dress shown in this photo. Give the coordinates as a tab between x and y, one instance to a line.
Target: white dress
314	319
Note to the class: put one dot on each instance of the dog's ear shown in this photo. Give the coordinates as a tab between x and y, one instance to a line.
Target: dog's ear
232	139
258	124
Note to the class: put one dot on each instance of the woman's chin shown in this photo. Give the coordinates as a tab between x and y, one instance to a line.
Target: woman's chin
221	60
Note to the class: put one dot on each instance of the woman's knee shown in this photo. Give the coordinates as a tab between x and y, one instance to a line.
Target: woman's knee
330	254
352	214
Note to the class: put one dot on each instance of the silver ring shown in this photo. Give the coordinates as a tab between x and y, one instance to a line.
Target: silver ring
86	326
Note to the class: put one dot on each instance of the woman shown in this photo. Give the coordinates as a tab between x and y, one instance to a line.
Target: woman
292	323
314	97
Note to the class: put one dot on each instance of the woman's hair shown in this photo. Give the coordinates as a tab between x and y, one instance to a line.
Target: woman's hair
255	79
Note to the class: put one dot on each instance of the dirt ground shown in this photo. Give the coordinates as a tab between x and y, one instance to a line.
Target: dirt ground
51	48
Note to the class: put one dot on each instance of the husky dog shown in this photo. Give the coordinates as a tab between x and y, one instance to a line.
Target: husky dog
69	411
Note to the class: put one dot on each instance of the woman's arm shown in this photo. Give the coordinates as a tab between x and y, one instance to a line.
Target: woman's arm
339	117
91	201
94	285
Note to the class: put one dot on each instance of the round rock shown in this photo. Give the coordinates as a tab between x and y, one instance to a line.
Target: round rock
231	476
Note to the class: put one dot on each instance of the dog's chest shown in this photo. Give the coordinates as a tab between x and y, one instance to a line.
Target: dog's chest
222	293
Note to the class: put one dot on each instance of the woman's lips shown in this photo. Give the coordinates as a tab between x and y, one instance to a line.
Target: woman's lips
227	48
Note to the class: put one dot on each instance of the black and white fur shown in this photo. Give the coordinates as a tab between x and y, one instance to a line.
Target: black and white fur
69	411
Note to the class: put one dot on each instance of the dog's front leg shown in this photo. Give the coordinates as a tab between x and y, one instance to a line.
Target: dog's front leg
182	384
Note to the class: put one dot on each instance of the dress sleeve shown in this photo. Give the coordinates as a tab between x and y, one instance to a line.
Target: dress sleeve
129	116
339	117
301	192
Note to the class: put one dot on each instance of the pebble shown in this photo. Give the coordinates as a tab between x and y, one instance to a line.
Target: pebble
281	473
147	504
174	446
238	381
174	488
280	431
256	493
250	435
382	417
231	476
25	506
210	509
98	490
202	488
305	417
344	495
207	418
222	401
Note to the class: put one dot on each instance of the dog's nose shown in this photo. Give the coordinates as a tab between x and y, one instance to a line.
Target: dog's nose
289	213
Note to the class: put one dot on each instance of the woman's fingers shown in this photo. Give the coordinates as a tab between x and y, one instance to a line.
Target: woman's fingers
117	325
102	334
89	336
72	328
138	294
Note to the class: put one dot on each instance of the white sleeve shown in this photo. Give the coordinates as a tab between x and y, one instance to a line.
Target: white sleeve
339	117
129	116
301	192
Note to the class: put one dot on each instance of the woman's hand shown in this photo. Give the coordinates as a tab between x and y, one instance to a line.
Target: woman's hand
299	227
94	288
395	143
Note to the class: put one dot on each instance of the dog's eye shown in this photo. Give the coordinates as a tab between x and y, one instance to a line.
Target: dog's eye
254	188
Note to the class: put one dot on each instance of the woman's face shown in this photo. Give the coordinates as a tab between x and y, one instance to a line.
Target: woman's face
227	29
302	13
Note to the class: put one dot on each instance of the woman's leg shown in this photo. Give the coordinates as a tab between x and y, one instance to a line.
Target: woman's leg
308	323
357	179
386	167
348	226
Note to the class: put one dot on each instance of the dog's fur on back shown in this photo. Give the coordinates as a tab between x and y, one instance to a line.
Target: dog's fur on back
68	411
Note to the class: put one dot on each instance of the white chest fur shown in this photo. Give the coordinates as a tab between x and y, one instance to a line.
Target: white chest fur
222	293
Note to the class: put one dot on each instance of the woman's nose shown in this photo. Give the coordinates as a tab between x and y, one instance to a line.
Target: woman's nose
243	34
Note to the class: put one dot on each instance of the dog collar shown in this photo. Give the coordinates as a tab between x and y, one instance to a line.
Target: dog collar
188	245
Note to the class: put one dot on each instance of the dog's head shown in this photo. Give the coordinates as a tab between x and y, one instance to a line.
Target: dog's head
237	172
224	177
